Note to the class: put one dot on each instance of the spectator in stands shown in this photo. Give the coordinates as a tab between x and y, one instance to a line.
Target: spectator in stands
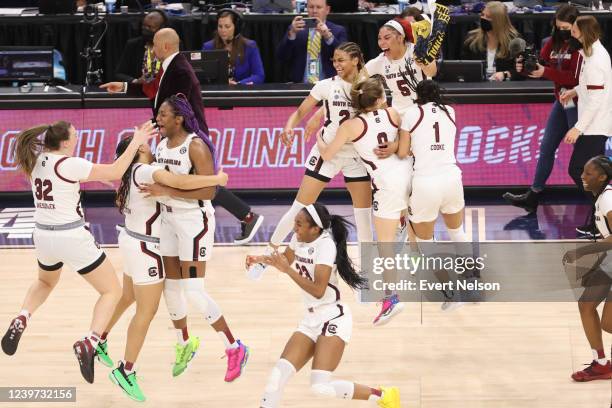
562	66
309	51
411	14
245	62
138	63
490	42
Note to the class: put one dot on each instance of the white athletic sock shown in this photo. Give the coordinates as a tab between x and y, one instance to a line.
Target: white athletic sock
25	314
363	224
601	361
285	225
179	337
424	240
278	379
226	342
94	339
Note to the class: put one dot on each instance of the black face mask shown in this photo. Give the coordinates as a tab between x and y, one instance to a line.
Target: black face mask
147	35
574	44
563	35
485	25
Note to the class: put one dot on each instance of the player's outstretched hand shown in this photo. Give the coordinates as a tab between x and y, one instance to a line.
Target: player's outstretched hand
287	137
144	132
279	261
113	87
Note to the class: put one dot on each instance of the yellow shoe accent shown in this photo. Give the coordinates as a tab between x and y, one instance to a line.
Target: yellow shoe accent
390	398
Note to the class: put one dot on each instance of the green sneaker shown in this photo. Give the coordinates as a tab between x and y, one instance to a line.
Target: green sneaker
184	354
127	382
102	354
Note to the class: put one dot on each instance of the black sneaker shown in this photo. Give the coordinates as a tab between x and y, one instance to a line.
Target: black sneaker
528	201
249	229
12	336
85	354
588	231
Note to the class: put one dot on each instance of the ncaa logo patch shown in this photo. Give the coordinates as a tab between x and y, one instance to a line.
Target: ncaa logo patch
332	328
310	251
183	150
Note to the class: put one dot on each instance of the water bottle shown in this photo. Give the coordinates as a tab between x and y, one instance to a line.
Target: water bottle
300	6
110	5
402	4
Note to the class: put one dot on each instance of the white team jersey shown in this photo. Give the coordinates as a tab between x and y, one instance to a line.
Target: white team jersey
603	206
176	160
403	93
432	132
336	96
379	129
321	251
55	185
142	214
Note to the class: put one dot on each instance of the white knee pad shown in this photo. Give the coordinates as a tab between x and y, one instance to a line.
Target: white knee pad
175	301
363	224
279	377
285	224
320	383
457	235
195	293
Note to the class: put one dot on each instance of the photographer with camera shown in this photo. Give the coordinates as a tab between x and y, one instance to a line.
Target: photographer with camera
561	65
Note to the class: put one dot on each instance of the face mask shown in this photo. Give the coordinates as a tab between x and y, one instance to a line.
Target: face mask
147	35
574	44
563	35
485	25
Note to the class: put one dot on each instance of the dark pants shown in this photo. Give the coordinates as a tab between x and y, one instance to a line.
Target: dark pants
586	147
560	120
231	203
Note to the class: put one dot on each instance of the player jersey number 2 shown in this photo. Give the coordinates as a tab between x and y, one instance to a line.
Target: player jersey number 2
43	189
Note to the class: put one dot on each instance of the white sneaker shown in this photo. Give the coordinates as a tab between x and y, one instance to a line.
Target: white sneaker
256	271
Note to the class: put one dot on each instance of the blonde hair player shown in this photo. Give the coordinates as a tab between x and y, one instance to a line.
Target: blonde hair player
318	251
187	234
391	177
60	236
335	94
143	275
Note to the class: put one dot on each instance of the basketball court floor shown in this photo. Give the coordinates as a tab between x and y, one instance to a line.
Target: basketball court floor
490	355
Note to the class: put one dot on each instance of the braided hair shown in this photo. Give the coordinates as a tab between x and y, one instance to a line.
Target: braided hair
123	192
181	107
604	164
339	229
429	91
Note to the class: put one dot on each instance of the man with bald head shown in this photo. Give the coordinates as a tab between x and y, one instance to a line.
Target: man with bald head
175	76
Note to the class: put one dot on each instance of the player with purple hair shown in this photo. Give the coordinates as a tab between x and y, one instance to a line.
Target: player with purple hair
187	233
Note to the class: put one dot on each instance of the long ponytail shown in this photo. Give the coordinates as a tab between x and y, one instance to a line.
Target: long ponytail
339	228
123	192
29	146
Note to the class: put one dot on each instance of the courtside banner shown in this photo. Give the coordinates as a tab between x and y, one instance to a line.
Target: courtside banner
496	144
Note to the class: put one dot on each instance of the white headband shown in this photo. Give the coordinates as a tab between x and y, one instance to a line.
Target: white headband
397	26
315	216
